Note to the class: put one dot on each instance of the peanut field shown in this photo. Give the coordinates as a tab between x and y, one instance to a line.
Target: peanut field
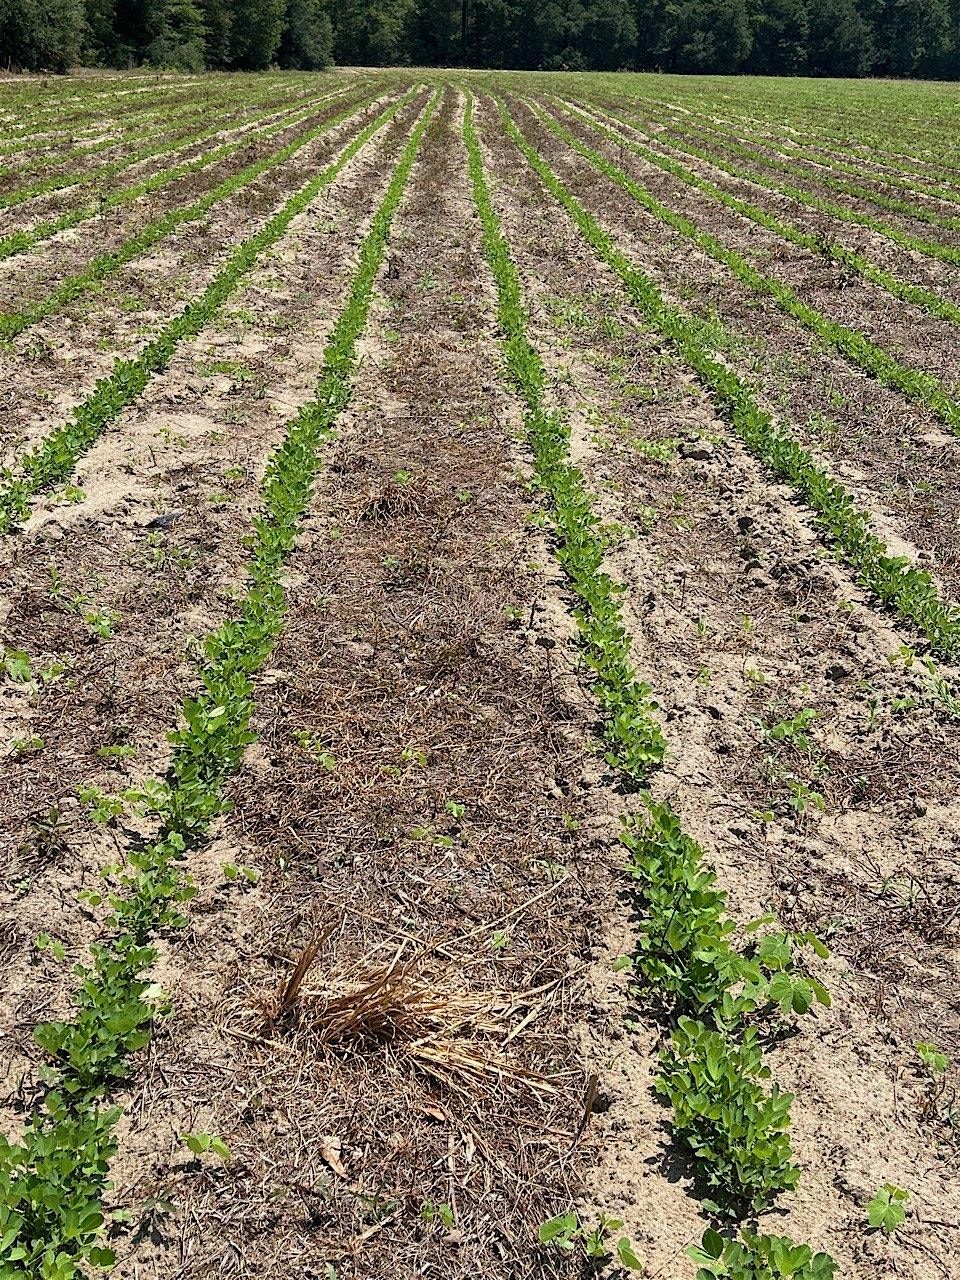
479	677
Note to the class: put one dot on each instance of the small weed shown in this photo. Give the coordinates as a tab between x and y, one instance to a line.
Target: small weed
201	1143
17	666
232	872
565	1233
315	745
934	1060
657	450
43	942
887	1210
432	1212
794	730
69	494
120	752
103	808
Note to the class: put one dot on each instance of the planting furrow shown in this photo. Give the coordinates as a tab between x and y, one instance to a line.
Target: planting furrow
910	211
112	132
737	1131
866	165
52	458
25	239
830	171
67	111
870	140
910	590
104	265
927	299
39	210
66	169
32	128
57	1222
900	235
802	157
153	523
116	114
423	735
889	456
853	344
748	629
157	533
105	598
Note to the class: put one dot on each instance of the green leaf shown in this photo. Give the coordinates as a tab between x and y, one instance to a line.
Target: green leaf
934	1059
887	1208
712	1243
558	1230
17	664
627	1256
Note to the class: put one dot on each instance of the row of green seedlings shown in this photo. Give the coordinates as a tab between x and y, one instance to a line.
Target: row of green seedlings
108	264
52	1182
869	144
38	158
912	209
822	174
914	183
851	343
712	1071
930	248
121	117
55	457
21	240
823	165
51	108
729	136
34	145
893	580
197	106
179	129
822	245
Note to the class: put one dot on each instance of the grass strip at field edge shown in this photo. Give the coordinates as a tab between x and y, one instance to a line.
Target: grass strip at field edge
51	1185
851	343
20	241
579	547
55	457
929	300
910	591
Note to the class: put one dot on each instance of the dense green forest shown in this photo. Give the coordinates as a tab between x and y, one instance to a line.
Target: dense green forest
783	37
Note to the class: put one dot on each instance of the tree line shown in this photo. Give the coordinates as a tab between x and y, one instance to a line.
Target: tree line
777	37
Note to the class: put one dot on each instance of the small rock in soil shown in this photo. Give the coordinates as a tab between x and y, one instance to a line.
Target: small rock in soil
164	521
699	451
